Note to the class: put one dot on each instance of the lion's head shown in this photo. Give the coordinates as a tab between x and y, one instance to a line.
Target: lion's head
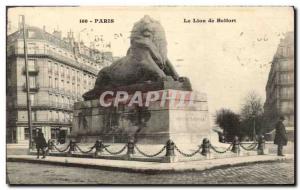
151	30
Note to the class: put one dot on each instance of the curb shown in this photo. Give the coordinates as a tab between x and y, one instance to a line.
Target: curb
141	170
90	166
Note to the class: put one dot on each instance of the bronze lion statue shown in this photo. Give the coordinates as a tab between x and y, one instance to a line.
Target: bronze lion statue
145	63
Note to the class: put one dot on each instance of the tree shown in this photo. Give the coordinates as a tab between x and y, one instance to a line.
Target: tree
252	115
252	107
229	122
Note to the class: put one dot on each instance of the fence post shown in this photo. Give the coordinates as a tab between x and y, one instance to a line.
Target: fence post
98	147
170	148
236	145
170	152
50	146
72	148
130	148
261	145
205	147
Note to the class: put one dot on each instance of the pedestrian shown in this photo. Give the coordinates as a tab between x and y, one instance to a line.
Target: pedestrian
41	144
280	136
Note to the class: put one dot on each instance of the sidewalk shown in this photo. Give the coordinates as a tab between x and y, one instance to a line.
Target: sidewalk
149	167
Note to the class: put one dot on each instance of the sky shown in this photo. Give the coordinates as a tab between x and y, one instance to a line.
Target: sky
224	60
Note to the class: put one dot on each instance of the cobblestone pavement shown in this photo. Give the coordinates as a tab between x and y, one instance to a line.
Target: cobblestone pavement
262	173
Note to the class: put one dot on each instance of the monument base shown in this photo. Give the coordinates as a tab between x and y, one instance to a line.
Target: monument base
184	120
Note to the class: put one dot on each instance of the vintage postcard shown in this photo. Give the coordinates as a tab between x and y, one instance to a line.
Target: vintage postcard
150	95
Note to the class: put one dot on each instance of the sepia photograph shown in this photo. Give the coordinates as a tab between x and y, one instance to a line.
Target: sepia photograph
150	95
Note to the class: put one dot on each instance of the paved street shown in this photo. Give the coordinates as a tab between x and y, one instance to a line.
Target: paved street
263	173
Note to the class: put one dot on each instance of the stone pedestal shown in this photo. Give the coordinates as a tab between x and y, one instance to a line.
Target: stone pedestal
185	122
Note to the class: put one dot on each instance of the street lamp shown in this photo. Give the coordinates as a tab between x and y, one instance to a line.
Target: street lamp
27	84
254	132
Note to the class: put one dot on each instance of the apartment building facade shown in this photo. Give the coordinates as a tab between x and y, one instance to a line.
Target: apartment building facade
280	86
60	71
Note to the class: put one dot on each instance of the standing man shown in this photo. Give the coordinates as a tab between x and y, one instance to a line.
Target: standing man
280	136
41	144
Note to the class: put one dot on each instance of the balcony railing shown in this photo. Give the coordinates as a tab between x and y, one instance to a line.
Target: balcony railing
58	56
31	70
51	104
286	82
34	88
64	106
53	90
24	104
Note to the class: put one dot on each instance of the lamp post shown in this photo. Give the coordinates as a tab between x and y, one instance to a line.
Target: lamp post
27	84
254	132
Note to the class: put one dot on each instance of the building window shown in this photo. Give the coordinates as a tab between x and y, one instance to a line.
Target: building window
289	77
84	80
31	65
56	83
50	116
67	102
67	118
62	70
56	116
26	133
56	100
286	107
68	86
71	117
62	117
284	78
56	68
32	97
283	93
68	70
33	116
62	100
284	65
287	92
73	75
50	82
62	84
50	67
51	100
54	133
73	88
78	89
32	83
78	76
